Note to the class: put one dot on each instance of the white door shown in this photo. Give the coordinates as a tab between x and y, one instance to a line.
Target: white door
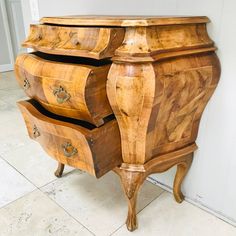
6	51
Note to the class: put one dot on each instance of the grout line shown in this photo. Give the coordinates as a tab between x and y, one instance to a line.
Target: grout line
141	209
9	203
66	211
117	229
18	171
39	189
56	179
197	204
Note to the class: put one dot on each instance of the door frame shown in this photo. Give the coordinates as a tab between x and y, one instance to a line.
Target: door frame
10	66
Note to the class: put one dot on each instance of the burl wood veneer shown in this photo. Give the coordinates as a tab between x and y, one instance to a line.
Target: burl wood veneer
68	89
156	74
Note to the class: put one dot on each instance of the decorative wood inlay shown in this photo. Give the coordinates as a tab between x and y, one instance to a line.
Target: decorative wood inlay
147	43
91	42
71	90
158	74
158	106
96	151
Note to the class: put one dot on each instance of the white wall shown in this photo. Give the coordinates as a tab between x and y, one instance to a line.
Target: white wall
212	177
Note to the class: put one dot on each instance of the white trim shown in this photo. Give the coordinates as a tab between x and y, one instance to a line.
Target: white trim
15	17
194	202
13	6
8	36
6	67
34	8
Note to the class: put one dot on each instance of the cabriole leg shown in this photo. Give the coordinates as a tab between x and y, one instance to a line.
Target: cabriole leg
182	170
131	182
58	173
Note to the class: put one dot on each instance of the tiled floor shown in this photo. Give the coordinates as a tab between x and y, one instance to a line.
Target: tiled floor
34	203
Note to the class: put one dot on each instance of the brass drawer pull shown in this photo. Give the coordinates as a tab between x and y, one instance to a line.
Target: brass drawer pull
26	84
69	150
61	94
36	132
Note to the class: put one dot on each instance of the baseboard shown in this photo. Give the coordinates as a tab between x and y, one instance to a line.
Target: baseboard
196	203
6	67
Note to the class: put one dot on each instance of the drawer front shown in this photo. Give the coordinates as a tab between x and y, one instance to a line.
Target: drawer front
92	42
71	90
95	150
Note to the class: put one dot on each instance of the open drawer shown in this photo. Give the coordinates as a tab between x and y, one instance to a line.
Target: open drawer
77	144
65	86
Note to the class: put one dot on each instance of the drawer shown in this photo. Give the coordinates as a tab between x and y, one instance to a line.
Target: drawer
92	42
68	89
77	144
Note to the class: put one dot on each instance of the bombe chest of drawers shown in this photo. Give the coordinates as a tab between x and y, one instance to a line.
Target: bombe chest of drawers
118	93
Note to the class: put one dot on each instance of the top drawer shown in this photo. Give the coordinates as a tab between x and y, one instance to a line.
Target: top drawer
92	42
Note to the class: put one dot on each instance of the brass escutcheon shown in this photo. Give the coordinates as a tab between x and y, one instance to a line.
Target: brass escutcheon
36	132
69	150
61	94
26	84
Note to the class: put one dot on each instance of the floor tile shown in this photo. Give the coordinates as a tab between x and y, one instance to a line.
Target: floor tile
36	215
12	184
13	131
100	204
4	107
165	217
8	81
11	96
33	163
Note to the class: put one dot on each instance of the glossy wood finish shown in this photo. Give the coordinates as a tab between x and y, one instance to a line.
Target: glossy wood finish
72	90
163	73
91	42
158	105
158	86
165	41
124	21
95	150
132	177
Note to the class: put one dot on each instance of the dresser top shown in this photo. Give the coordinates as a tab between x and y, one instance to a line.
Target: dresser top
125	21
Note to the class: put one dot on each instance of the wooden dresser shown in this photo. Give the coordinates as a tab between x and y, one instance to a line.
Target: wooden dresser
118	93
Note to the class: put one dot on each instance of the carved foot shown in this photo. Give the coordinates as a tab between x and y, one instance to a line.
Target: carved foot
131	182
182	169
131	221
58	173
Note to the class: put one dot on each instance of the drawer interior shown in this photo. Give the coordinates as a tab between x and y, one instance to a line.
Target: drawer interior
72	59
51	115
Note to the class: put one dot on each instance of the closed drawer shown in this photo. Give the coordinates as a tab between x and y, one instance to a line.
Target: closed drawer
80	145
67	89
93	42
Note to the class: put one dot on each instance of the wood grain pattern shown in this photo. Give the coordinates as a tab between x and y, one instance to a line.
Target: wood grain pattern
158	86
132	177
158	106
124	21
91	42
156	42
84	84
97	150
164	72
